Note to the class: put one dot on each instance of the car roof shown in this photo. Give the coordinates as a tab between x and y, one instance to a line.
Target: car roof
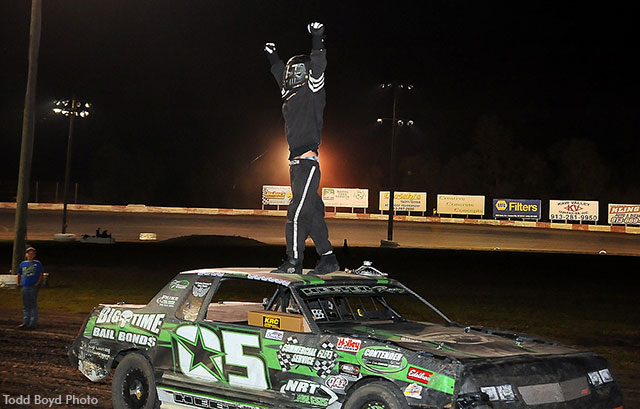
265	274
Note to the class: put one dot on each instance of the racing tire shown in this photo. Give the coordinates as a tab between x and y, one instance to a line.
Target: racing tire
133	385
376	395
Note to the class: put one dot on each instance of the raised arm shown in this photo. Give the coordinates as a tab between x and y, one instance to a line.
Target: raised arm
277	66
318	56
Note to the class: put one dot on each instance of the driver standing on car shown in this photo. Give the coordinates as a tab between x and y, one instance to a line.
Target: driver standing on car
302	91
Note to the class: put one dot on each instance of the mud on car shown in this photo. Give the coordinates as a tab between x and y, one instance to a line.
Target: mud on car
247	338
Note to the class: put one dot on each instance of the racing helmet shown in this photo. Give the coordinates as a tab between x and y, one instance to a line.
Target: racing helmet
296	72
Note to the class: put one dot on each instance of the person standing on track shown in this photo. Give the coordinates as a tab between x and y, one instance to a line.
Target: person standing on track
303	95
30	274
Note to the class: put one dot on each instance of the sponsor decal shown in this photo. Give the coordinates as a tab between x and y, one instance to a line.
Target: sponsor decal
419	375
91	349
200	288
348	344
147	322
178	285
382	359
167	300
269	321
124	336
104	333
268	279
318	314
320	360
309	393
138	339
349	369
207	401
413	390
212	354
336	382
351	289
274	335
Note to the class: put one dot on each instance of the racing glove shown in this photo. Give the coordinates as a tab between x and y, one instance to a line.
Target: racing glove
317	35
272	54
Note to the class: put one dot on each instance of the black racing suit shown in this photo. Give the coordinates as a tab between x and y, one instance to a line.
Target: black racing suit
303	109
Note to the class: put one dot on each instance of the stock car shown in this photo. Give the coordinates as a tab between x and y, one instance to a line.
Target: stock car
247	338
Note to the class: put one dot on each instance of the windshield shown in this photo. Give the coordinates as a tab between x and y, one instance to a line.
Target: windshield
359	303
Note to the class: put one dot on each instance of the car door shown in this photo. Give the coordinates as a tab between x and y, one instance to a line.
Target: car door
215	354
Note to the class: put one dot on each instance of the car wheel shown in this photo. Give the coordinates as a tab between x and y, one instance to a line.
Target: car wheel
133	385
376	395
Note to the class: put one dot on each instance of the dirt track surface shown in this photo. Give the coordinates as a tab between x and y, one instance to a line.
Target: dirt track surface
35	365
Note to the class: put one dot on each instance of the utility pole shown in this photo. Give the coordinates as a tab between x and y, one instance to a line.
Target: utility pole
72	109
67	169
395	122
28	128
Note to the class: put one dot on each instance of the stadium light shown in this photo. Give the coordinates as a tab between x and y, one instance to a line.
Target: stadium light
395	122
71	109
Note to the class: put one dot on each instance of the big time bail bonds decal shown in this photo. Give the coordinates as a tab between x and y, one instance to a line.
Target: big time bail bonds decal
127	319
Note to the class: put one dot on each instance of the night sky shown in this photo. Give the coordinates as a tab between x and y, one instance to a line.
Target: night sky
511	99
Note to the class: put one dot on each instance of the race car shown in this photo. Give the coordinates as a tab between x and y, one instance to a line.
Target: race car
247	338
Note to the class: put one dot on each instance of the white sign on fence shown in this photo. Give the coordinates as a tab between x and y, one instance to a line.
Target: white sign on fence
575	210
276	195
624	213
460	204
404	201
345	197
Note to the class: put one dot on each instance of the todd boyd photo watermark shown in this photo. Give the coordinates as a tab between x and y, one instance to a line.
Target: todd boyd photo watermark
48	401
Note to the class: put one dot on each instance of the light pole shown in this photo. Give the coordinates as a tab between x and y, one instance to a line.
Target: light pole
395	122
72	109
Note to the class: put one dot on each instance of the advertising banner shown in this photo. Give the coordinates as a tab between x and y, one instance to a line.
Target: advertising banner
460	204
574	210
345	197
276	195
624	214
404	201
517	209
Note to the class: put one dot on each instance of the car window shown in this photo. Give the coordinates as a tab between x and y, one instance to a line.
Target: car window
192	304
350	308
236	297
256	303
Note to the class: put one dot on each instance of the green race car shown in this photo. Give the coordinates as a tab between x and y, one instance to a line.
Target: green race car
247	338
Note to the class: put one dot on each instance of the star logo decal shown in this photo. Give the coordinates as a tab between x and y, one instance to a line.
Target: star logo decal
199	353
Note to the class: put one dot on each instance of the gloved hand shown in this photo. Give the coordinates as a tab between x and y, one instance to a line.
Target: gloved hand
315	28
317	35
270	48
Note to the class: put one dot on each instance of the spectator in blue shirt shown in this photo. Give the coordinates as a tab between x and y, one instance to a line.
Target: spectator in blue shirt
29	278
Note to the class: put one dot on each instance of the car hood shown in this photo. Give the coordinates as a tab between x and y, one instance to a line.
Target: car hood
452	341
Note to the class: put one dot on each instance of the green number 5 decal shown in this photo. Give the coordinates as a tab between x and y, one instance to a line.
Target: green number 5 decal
234	344
201	354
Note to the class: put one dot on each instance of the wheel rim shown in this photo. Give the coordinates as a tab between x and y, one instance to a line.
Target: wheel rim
374	405
135	389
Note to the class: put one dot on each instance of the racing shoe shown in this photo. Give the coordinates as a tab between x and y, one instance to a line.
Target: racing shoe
327	264
289	266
